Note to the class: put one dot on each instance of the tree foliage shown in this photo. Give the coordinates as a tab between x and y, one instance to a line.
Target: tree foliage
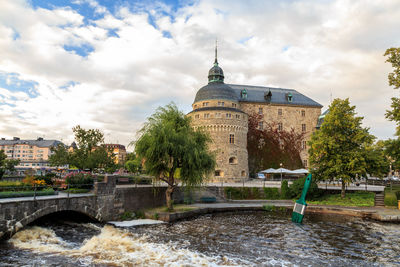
268	147
393	57
7	164
338	149
90	154
168	144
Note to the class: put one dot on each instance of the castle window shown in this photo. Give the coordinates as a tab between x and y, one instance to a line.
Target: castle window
243	173
289	97
280	126
206	115
228	115
243	94
221	104
303	145
233	105
217	115
231	139
260	125
305	163
219	173
260	111
280	112
303	127
238	116
197	116
205	104
303	113
233	160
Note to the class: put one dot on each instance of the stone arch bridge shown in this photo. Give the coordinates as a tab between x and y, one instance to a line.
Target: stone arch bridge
107	202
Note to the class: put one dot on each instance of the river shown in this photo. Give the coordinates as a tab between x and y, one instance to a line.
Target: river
223	239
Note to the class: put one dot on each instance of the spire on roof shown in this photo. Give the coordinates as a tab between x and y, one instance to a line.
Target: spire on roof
216	46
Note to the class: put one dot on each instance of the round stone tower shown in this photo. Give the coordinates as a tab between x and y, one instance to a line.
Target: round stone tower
216	110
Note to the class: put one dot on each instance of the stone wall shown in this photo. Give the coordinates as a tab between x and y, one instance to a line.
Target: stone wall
291	117
231	158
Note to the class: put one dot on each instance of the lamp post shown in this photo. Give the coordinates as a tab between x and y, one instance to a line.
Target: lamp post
280	164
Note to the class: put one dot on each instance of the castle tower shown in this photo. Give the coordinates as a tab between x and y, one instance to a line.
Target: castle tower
216	109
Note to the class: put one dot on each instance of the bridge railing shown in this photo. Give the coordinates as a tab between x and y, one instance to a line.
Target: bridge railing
26	190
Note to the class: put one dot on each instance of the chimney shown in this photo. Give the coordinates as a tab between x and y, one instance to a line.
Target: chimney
3	138
16	138
39	139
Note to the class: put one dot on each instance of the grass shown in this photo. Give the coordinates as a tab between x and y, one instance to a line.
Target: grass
77	191
357	199
177	208
45	192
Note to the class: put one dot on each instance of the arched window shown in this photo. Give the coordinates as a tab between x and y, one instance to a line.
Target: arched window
233	160
219	173
243	173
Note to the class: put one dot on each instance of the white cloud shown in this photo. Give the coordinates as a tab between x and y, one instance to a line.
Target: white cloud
318	48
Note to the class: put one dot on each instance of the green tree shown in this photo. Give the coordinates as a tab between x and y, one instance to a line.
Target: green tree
337	149
376	160
392	152
393	57
168	144
91	153
7	164
59	156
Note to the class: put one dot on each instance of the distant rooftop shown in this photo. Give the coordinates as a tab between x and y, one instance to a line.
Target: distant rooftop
40	142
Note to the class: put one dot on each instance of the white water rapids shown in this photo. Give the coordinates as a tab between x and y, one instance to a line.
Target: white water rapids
114	247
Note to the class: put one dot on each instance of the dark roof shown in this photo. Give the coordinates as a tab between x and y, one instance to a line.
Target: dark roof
216	90
38	143
217	108
279	95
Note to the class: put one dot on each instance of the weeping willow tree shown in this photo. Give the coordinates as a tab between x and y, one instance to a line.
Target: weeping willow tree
169	145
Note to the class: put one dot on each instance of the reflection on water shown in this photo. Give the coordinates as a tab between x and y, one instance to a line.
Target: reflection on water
227	239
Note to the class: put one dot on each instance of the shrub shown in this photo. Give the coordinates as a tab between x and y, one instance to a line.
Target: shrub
255	193
390	199
285	191
297	187
81	180
398	195
9	194
271	193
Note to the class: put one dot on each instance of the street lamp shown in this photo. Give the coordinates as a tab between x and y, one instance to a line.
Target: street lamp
280	164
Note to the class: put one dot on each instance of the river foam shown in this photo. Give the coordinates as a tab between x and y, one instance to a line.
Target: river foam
117	247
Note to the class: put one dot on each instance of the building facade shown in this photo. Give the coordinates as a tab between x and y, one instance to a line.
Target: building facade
33	154
119	152
223	111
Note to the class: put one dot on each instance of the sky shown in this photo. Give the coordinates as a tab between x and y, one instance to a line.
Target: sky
110	64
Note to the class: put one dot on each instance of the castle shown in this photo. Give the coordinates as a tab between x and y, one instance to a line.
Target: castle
223	111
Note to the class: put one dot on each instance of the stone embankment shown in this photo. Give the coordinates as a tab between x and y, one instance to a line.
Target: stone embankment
368	213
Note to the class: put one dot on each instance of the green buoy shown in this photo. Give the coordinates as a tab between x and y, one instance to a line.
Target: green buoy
300	205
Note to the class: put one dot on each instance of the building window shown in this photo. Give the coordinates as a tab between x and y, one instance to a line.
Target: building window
260	125
238	116
231	139
219	173
243	173
221	104
303	113
217	115
280	111
304	145
233	160
205	104
260	111
233	105
195	106
196	116
243	94
206	115
289	97
228	115
280	126
303	127
305	163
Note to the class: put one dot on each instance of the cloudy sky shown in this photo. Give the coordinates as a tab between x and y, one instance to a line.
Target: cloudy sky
109	64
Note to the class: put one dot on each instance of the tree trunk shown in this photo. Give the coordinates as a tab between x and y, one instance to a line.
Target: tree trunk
343	194
168	196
